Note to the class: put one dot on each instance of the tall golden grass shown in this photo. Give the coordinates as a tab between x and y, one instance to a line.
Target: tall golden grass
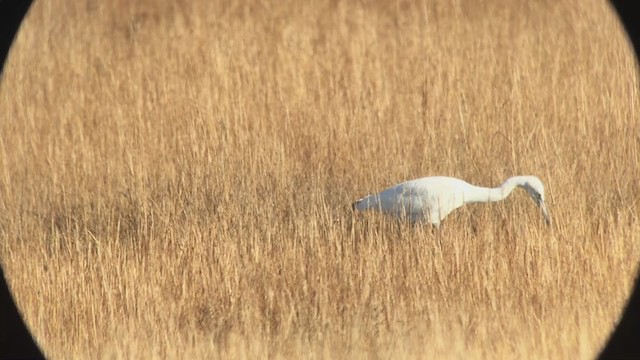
176	177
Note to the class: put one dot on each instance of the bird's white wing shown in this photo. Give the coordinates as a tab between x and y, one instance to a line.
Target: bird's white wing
407	200
434	198
431	199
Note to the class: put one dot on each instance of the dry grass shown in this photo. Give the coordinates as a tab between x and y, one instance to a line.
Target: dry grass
175	178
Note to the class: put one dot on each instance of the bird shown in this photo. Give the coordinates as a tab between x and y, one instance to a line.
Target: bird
432	198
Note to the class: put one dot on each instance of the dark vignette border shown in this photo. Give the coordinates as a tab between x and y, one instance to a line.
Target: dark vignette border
16	341
624	342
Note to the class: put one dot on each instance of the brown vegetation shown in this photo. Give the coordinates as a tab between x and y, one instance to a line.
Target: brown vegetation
175	177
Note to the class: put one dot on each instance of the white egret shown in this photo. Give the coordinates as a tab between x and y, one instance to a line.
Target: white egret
433	198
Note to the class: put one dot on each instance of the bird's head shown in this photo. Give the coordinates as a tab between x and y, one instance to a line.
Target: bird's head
534	187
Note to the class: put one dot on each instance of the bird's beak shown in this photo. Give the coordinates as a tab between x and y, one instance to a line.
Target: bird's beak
545	212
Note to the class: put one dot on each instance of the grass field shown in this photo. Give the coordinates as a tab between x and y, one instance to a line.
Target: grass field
176	177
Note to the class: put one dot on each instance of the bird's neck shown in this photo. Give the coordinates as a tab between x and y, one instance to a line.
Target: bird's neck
474	194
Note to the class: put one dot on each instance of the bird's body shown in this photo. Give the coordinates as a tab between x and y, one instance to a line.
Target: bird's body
433	198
